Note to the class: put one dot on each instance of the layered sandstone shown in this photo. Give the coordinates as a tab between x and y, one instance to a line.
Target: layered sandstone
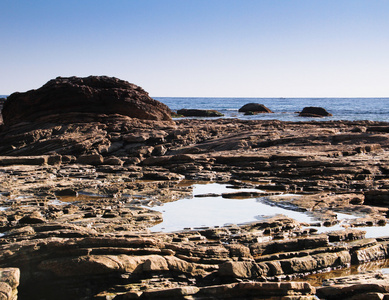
82	96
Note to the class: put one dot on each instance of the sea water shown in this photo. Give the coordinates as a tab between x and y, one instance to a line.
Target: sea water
285	109
352	109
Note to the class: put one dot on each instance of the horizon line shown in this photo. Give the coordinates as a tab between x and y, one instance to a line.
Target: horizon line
294	97
259	97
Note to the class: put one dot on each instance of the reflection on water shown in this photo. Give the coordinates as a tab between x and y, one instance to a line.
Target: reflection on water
217	211
379	265
214	210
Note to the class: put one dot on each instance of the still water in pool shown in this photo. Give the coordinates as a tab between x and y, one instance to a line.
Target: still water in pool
196	212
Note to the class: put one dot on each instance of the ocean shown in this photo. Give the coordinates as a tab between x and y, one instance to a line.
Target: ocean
352	109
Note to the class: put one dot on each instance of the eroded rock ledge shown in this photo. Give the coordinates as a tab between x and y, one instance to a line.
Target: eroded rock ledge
297	157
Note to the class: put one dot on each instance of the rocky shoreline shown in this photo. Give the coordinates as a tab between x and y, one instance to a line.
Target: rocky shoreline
78	189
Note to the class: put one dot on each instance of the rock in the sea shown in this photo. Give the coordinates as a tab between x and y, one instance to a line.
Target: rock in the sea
199	113
93	95
254	108
313	111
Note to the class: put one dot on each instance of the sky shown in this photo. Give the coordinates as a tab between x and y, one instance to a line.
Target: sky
201	48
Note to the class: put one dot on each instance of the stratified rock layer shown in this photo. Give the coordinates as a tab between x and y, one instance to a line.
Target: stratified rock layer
89	95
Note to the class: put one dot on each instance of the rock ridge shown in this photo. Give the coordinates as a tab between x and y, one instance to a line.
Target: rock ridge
92	95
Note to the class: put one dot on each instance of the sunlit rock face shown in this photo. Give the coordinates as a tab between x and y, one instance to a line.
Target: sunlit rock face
92	95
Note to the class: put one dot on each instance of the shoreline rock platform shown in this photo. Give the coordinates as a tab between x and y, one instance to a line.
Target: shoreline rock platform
78	189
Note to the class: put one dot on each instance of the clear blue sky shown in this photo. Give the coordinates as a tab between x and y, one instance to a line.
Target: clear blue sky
216	48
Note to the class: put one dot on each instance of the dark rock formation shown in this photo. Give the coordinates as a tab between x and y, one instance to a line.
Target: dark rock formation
254	108
199	113
313	111
90	95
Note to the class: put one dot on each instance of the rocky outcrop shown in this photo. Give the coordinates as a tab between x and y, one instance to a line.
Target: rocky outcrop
254	108
199	113
313	111
76	204
62	99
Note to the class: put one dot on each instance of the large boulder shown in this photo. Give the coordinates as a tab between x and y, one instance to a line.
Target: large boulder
91	95
313	111
254	108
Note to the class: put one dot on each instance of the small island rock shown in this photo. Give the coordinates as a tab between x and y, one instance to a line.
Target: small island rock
254	108
313	111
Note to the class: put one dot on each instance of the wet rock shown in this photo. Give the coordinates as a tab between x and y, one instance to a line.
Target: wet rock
367	250
199	113
313	111
315	262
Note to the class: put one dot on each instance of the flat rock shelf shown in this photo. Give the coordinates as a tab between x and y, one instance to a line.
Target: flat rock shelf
86	189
